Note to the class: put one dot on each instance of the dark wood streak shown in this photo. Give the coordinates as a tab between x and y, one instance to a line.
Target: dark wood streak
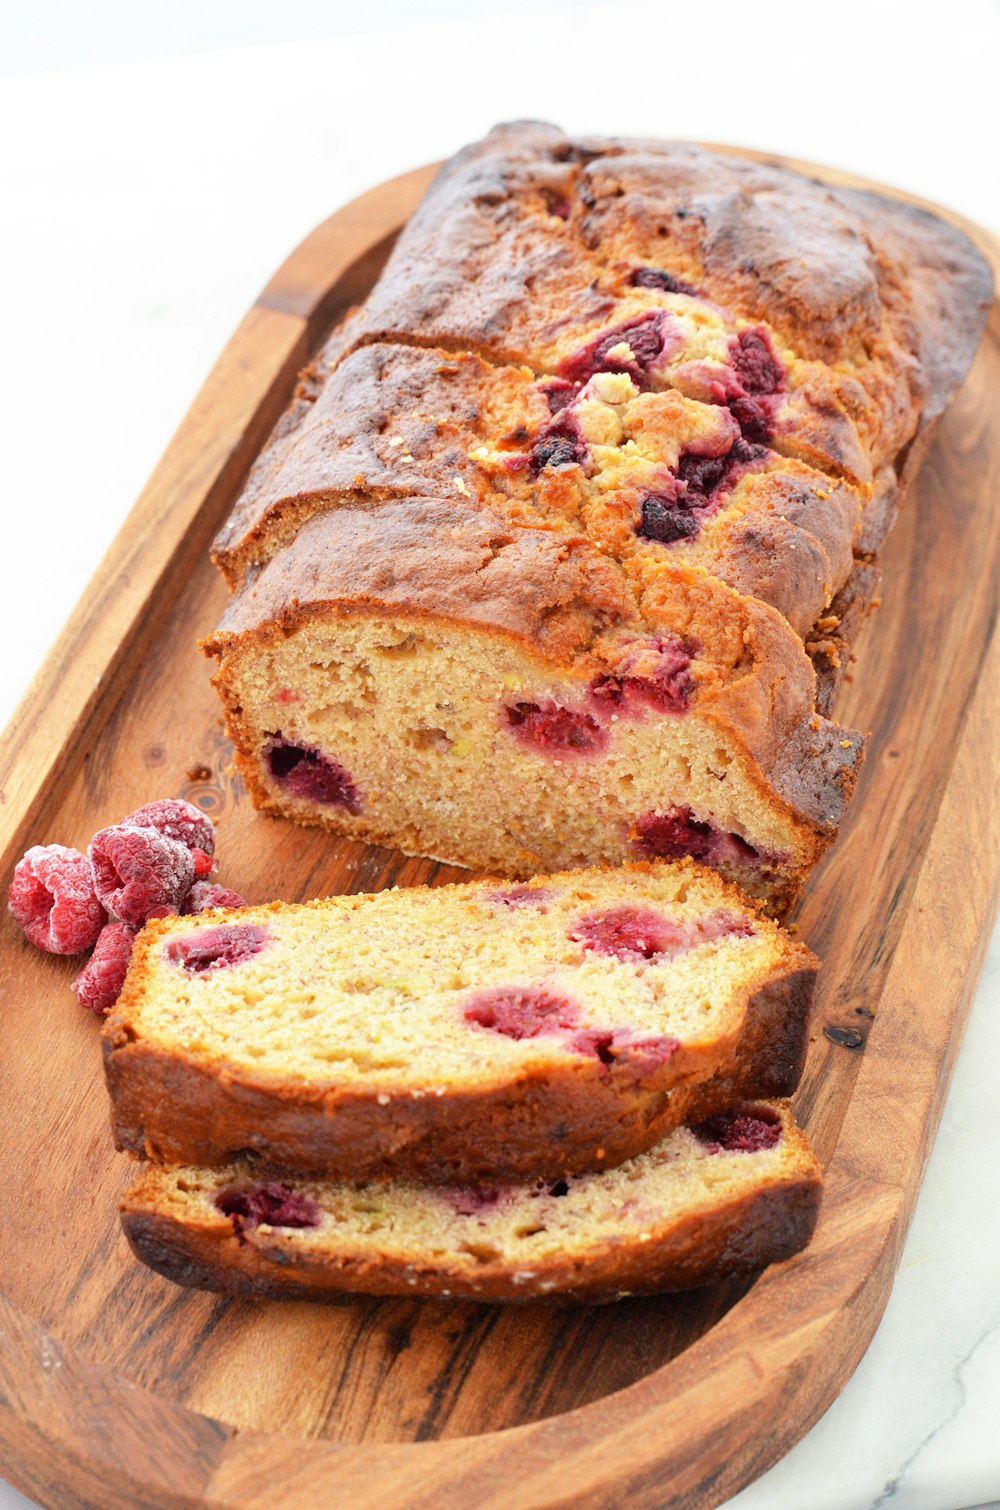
371	1403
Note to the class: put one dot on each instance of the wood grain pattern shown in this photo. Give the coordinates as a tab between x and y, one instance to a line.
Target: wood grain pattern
117	1389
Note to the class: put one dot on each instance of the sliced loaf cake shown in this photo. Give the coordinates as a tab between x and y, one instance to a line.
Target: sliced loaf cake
720	1198
469	1032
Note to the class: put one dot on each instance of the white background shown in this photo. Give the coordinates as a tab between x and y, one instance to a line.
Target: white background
160	159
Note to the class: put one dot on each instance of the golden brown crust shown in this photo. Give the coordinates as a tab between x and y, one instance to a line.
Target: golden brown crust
768	1221
557	595
176	1108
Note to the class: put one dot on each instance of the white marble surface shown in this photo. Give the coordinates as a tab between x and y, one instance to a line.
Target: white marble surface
162	159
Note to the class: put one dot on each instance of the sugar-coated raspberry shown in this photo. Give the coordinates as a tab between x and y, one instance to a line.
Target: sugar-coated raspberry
100	981
645	337
206	894
178	820
740	1131
216	948
137	870
267	1202
52	897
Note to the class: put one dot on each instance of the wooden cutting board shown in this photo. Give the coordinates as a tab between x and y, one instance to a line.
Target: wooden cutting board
118	1390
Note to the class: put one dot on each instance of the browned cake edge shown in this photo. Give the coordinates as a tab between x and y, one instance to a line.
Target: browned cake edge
768	1223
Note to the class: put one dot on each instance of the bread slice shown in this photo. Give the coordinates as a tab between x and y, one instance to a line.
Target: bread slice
721	1198
424	675
455	1033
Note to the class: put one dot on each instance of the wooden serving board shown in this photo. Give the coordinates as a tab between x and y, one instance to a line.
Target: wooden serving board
118	1390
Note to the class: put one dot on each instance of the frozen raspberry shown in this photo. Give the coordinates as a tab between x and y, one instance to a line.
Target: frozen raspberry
138	870
216	948
659	278
52	897
546	726
520	1011
739	1131
178	820
270	1203
100	981
305	772
205	894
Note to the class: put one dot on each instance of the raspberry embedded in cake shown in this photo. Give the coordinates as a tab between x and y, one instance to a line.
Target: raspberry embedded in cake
217	948
551	728
628	933
656	672
753	359
560	446
740	1131
521	1011
520	896
269	1203
475	1200
667	518
663	281
632	347
306	772
677	832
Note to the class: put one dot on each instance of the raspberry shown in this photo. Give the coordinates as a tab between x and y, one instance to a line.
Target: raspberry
177	820
645	336
52	898
659	278
677	832
205	894
753	360
656	672
617	1046
473	1200
276	1205
216	948
308	773
739	1131
520	1011
519	896
137	870
99	982
628	933
549	727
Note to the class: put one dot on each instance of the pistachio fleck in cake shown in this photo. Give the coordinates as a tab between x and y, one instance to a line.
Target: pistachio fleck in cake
723	1197
475	1032
541	565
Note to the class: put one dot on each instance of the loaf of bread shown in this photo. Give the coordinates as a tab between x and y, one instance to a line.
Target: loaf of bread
540	566
721	1198
475	1032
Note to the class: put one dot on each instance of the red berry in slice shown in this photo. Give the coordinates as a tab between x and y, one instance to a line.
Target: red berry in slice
217	948
520	1011
176	819
100	981
739	1131
546	726
138	870
52	897
270	1203
205	894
